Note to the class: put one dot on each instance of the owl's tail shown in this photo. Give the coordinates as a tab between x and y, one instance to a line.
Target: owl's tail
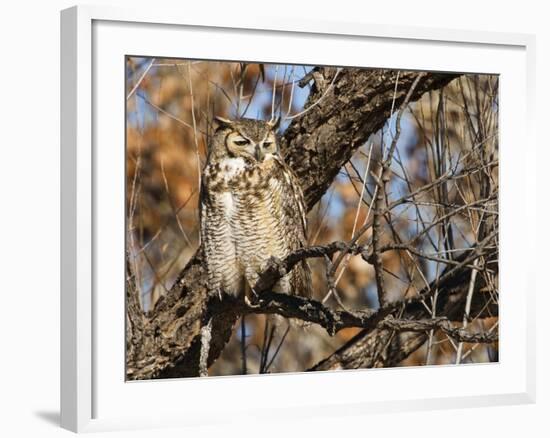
300	281
301	285
296	282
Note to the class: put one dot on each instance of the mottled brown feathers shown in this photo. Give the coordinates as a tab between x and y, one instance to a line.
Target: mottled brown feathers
251	208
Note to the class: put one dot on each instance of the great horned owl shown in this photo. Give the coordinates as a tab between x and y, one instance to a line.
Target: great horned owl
251	208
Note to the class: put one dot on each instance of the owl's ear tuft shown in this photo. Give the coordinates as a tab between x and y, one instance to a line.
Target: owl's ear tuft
222	122
274	123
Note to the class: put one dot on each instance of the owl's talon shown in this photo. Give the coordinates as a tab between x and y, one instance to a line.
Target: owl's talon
250	304
254	293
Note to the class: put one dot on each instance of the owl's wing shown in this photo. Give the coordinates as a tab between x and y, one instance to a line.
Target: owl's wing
294	203
294	224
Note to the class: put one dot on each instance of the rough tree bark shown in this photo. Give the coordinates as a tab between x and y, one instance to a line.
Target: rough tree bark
344	108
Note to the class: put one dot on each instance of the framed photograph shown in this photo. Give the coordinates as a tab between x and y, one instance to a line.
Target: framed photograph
291	208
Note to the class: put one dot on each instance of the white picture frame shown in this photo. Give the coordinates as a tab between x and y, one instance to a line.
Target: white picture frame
92	392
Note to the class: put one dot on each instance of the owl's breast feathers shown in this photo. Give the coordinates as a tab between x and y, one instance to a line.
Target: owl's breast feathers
249	212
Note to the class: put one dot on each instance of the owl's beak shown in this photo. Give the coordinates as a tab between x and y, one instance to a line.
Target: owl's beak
258	152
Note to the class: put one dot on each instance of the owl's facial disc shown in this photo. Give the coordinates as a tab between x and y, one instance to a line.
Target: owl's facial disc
240	145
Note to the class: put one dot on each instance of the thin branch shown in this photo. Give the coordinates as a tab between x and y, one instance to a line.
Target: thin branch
361	197
276	353
277	268
244	369
132	91
467	308
274	93
381	179
166	113
301	113
441	323
197	153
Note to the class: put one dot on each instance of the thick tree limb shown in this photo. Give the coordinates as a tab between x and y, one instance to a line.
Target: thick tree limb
335	320
316	145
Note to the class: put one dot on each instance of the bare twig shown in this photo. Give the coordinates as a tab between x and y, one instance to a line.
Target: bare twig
197	153
467	308
135	87
206	338
301	113
441	323
244	368
381	179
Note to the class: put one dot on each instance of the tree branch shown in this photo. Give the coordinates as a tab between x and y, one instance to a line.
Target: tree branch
333	321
